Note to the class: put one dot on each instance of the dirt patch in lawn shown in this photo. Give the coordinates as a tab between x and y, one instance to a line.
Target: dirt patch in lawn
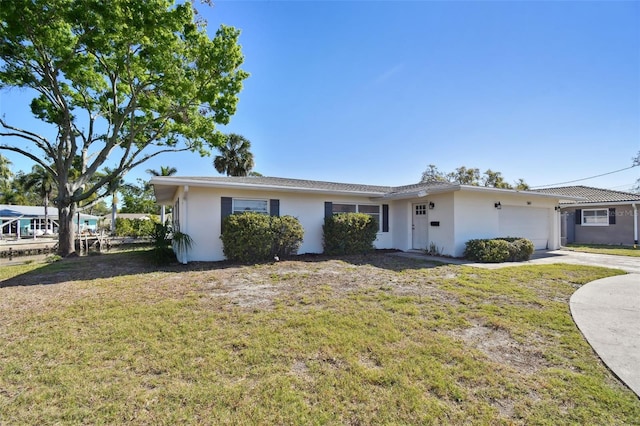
498	345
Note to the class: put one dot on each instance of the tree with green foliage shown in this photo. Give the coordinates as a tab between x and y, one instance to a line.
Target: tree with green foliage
5	175
119	82
5	169
42	183
464	176
235	158
494	180
138	198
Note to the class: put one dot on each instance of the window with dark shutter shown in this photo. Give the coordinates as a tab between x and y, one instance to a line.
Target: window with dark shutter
226	207
612	216
578	217
274	207
328	209
385	218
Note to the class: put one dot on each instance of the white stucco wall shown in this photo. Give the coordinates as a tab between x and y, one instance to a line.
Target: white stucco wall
202	220
477	217
401	211
442	236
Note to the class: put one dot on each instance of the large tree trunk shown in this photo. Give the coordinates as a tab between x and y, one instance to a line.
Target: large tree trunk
66	230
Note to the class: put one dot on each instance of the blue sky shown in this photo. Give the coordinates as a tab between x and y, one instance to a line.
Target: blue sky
375	91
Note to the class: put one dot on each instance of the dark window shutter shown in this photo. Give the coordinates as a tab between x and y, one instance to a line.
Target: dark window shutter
612	216
274	207
578	217
385	218
226	206
328	209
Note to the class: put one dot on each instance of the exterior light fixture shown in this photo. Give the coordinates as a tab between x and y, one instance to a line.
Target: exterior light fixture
431	205
497	205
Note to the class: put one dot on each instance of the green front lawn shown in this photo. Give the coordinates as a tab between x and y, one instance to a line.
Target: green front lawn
360	340
604	249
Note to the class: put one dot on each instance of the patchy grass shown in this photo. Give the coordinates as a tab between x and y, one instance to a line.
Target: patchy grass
361	340
605	249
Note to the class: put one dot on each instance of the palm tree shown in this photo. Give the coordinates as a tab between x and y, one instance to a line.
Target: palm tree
5	170
113	186
5	175
43	183
164	171
235	159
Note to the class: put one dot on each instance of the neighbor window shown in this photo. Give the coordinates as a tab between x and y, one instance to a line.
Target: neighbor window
595	217
256	206
371	210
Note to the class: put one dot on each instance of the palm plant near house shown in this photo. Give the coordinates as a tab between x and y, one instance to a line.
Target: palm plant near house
235	157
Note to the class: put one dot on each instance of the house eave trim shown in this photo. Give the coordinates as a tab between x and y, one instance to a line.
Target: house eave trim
278	188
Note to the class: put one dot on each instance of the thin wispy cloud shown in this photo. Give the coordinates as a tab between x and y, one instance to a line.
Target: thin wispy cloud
388	74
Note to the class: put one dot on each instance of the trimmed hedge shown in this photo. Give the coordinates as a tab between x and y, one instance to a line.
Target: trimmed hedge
349	233
254	237
499	250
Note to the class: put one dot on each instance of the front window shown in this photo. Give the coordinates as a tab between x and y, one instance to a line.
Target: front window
595	217
256	206
344	208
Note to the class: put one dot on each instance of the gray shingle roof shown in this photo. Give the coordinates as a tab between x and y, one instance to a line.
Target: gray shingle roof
164	186
591	195
288	183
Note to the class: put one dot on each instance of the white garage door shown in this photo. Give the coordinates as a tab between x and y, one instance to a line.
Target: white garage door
527	222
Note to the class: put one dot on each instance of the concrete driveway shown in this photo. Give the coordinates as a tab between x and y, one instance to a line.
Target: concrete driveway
607	312
626	263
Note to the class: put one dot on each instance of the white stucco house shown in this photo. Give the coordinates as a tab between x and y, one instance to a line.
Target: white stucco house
410	217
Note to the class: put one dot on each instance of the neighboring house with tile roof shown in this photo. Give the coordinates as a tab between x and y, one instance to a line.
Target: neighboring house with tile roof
417	216
600	216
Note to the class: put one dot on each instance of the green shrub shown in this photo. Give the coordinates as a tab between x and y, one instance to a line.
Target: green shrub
520	249
349	233
254	237
123	227
499	250
287	235
135	227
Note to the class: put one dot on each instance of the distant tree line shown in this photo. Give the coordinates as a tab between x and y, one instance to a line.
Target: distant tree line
471	176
